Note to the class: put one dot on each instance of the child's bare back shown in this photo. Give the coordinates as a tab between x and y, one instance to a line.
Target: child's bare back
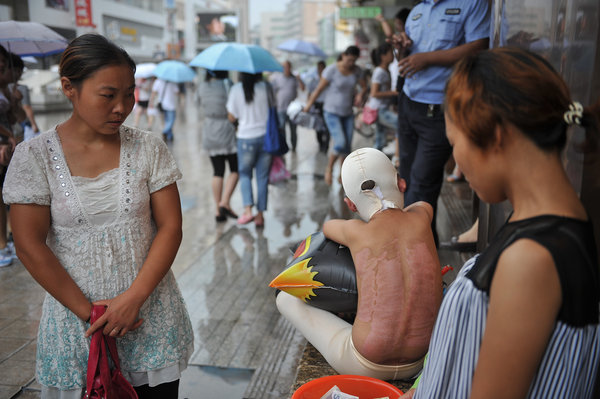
398	277
399	282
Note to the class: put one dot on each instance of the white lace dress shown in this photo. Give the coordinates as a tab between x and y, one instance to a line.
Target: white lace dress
103	255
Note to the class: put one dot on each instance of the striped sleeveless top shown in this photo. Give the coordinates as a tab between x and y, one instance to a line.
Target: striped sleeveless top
569	366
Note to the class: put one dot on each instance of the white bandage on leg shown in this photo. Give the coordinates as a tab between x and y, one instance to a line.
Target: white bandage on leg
332	337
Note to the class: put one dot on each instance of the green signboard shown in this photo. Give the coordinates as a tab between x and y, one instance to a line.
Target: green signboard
359	12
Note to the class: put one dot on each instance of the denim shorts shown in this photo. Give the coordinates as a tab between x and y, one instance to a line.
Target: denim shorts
341	129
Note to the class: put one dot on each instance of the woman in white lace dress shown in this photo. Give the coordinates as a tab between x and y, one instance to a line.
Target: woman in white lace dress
96	219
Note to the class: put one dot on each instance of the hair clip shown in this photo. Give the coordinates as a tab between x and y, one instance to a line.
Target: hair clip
574	114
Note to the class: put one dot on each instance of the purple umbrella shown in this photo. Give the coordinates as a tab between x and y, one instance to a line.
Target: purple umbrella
302	47
30	38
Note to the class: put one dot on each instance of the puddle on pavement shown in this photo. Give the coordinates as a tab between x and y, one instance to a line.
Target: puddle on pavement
209	382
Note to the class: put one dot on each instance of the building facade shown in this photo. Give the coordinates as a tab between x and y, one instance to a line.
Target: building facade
150	30
301	20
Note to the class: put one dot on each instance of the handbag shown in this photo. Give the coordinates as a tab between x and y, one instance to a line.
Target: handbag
369	115
101	381
278	171
274	143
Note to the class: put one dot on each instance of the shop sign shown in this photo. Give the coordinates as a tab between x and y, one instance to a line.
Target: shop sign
83	13
359	12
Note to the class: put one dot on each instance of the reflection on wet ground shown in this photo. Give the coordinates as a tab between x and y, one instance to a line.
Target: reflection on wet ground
214	382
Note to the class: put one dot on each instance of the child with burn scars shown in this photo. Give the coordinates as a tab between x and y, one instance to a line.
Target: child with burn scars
397	272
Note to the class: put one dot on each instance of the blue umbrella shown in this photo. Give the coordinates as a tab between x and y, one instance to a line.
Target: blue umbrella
236	57
301	47
174	71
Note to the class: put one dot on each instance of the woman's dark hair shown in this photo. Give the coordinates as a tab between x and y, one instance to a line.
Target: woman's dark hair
402	15
210	74
248	81
88	53
377	52
16	61
514	86
352	50
4	54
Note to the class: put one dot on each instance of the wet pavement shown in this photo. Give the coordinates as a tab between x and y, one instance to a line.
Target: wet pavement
223	270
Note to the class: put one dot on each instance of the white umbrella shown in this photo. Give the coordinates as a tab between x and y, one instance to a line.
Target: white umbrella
29	59
145	70
30	38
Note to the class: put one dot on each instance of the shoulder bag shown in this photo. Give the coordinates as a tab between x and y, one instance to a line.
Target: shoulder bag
275	143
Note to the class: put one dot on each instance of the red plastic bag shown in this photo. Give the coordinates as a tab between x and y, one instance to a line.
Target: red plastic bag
369	115
278	172
102	382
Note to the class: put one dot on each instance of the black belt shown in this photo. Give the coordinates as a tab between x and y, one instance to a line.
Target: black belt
429	110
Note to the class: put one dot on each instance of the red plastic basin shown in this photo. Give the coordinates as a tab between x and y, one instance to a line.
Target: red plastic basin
363	387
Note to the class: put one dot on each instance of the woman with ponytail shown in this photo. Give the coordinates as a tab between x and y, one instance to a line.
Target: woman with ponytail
382	96
521	318
249	106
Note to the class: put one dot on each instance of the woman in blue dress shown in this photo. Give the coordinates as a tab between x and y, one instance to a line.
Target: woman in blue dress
521	318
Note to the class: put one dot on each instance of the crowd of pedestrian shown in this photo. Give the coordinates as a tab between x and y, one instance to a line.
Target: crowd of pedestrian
96	215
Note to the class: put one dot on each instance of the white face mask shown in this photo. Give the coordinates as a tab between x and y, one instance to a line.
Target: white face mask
370	181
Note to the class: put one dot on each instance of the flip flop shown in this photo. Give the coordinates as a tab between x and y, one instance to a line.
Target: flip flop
227	212
245	219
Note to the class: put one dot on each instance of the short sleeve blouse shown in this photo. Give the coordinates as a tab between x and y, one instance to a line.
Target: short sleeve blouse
103	259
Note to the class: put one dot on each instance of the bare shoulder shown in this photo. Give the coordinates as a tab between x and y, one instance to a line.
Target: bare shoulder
526	252
527	265
421	208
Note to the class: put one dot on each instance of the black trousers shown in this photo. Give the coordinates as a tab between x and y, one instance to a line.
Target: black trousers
424	150
322	135
168	390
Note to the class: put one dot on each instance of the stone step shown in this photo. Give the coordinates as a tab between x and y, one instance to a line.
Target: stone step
277	373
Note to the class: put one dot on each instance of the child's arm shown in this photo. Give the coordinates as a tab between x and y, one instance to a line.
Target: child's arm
340	230
123	309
